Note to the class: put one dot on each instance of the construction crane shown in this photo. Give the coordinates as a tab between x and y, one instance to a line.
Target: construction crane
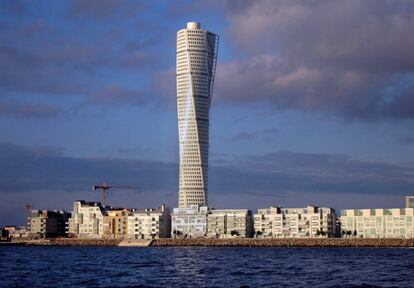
27	207
104	187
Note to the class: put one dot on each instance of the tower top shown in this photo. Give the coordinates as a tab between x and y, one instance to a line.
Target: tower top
193	25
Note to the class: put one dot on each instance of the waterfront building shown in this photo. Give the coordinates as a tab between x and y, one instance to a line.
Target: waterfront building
18	231
409	202
196	62
377	223
47	223
115	223
151	223
309	222
229	223
87	220
4	234
189	222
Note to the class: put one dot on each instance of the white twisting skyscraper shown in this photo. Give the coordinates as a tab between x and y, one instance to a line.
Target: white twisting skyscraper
196	63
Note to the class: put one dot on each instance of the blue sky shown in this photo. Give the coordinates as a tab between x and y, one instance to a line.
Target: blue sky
313	102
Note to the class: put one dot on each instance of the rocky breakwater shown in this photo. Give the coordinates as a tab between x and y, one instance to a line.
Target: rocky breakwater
74	242
310	242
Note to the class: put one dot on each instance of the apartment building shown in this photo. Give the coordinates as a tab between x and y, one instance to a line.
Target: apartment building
115	223
189	222
17	232
46	223
87	220
149	223
229	223
309	222
377	223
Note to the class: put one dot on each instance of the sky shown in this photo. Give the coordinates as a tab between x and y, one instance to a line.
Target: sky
313	103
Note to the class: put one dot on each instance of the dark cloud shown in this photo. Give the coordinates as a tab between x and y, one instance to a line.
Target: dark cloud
285	172
32	169
29	110
24	169
347	58
47	177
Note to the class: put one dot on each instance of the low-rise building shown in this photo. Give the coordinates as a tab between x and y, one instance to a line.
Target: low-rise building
4	234
189	222
17	232
150	223
47	223
309	222
377	223
115	223
227	223
87	220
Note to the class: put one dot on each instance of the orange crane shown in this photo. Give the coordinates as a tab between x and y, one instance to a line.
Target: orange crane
104	187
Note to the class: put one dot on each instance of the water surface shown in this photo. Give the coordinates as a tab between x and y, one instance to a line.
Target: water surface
205	267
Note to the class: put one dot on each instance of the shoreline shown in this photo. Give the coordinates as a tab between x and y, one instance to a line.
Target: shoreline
233	242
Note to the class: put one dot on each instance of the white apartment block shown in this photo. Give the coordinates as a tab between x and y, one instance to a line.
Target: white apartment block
377	223
196	63
189	222
229	223
149	223
309	222
87	220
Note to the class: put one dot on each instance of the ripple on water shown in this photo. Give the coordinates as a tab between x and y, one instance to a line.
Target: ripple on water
205	267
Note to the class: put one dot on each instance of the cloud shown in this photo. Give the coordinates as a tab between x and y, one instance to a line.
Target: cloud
103	9
44	57
24	169
264	134
48	178
24	110
115	94
44	168
286	172
15	7
346	58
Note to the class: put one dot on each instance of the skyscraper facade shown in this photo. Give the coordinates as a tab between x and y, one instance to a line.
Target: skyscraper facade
196	63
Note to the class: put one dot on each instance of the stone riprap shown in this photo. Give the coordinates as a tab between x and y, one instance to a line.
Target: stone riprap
233	242
313	242
74	242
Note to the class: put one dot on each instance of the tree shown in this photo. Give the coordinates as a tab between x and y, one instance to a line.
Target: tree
318	232
234	233
355	233
343	232
349	233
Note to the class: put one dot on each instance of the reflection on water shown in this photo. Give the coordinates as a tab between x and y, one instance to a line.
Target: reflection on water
205	267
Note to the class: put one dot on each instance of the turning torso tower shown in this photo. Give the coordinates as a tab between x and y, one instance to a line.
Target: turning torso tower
196	63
